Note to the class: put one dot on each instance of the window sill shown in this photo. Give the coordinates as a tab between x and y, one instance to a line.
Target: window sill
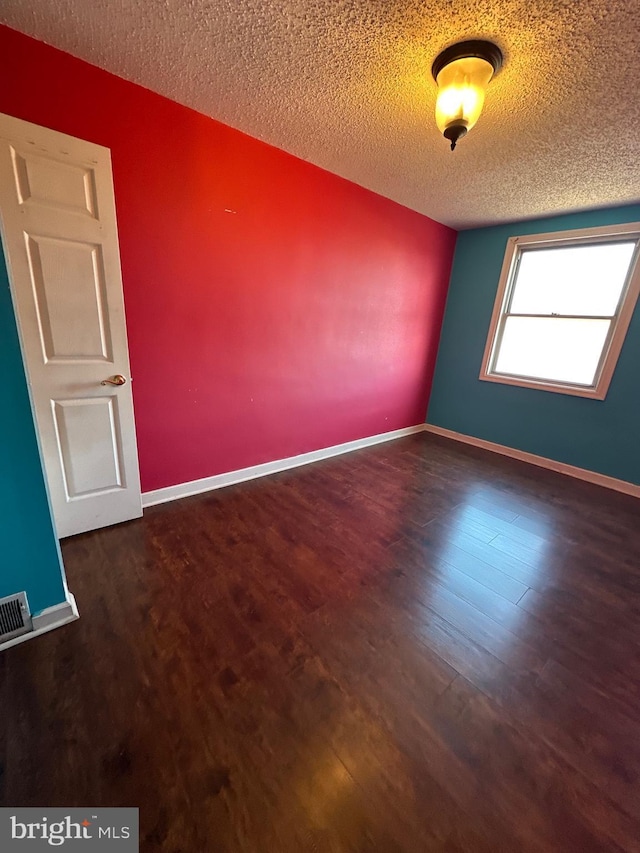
542	385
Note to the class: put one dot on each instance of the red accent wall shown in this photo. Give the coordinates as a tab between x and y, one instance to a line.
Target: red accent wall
273	308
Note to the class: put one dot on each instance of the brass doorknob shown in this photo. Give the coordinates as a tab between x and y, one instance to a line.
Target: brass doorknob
118	379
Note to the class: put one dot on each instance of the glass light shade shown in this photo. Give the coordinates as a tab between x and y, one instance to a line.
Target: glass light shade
461	87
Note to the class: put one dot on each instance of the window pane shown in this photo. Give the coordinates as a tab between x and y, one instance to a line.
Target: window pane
571	279
555	349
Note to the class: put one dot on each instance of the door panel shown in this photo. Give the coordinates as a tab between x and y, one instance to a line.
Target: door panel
69	288
97	468
44	180
59	230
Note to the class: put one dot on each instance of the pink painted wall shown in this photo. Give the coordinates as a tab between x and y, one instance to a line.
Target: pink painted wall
273	308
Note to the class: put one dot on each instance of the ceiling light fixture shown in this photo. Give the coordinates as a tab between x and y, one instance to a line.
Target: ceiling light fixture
462	73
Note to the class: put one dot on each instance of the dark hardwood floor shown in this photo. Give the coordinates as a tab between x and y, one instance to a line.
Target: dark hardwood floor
420	646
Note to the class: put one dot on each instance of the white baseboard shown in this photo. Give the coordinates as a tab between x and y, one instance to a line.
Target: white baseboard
47	620
219	481
540	461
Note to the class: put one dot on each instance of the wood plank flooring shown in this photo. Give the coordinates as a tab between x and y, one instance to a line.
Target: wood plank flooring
416	647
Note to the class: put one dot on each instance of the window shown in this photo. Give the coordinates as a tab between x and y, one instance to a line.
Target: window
563	307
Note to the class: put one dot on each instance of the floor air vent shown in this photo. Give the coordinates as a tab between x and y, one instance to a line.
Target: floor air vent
15	618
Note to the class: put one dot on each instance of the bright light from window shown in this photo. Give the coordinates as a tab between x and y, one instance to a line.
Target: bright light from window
562	310
584	280
552	348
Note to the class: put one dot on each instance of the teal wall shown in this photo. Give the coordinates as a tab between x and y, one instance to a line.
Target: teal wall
599	435
29	553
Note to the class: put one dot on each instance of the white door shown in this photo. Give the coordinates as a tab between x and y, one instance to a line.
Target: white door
59	231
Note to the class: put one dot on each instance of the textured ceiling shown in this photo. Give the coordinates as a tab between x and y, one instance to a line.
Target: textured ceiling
346	84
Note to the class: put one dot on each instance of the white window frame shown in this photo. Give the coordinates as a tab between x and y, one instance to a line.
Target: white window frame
619	326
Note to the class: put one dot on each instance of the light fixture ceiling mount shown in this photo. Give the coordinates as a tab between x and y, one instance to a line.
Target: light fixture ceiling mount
462	72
